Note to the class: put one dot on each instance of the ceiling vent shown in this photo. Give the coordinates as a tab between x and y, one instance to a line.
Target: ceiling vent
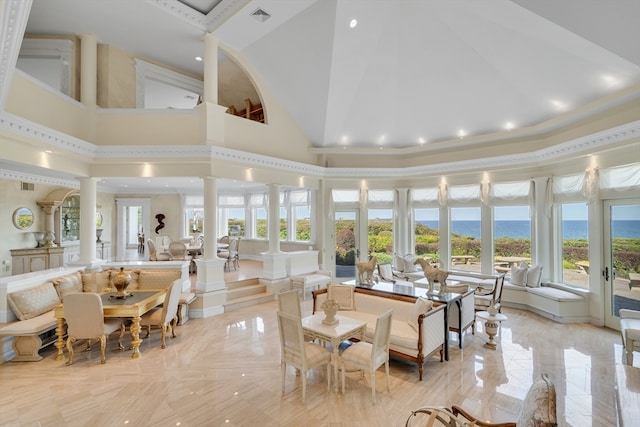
28	186
260	15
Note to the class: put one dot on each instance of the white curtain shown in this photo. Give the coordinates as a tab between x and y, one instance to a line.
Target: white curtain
620	178
591	184
345	196
380	196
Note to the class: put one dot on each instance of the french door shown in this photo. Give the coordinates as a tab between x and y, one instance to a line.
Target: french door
621	258
346	223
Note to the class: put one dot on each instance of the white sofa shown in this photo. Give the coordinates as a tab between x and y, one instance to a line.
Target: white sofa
411	344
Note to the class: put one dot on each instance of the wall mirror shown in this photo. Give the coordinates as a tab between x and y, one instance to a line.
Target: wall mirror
23	218
98	219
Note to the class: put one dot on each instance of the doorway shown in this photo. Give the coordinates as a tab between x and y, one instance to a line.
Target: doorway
133	224
621	258
346	238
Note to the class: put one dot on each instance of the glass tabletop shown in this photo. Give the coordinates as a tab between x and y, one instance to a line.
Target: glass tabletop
133	298
407	289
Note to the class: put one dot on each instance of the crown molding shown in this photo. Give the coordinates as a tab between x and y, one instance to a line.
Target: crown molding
207	23
38	179
579	146
13	21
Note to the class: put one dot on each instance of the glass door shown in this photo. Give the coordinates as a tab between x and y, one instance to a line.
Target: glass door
622	258
346	236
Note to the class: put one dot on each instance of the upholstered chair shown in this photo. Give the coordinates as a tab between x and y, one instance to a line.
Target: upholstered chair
84	316
538	409
370	356
487	297
156	256
178	252
630	330
230	255
295	351
166	316
344	295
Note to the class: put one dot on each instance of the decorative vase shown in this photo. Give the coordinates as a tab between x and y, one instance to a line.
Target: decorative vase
49	237
493	310
98	235
330	308
120	281
39	236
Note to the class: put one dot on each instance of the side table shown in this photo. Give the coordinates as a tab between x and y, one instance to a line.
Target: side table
491	324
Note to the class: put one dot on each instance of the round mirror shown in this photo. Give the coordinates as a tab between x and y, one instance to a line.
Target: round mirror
98	219
23	218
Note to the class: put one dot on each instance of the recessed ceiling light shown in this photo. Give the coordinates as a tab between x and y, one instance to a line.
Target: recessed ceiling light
462	133
48	151
610	80
559	105
353	23
509	126
421	141
198	58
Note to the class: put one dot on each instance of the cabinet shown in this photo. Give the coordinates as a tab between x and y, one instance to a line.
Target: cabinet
36	259
69	222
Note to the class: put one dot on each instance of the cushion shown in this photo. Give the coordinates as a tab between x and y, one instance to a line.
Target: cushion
421	306
409	266
344	295
518	276
157	279
33	302
534	274
70	283
96	282
386	272
457	289
398	262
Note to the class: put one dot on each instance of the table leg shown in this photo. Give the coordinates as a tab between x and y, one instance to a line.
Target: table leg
135	337
459	302
446	331
335	356
60	341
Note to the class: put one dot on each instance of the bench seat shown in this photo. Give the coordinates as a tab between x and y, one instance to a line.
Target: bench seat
29	336
553	301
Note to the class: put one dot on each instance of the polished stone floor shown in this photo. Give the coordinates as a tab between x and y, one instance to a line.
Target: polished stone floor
225	371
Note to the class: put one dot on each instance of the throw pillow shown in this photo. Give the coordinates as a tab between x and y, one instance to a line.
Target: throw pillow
409	266
96	282
398	262
70	283
518	276
157	279
33	302
344	295
386	272
421	306
534	274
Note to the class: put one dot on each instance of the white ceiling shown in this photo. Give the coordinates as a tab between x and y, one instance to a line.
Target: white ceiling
410	72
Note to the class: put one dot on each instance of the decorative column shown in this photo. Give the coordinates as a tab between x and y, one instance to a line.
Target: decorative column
49	208
211	290
402	221
274	262
88	69
88	200
210	62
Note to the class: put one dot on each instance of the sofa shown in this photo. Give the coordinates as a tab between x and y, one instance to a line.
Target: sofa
33	298
417	329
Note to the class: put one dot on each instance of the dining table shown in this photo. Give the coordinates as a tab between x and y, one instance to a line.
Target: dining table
344	329
137	303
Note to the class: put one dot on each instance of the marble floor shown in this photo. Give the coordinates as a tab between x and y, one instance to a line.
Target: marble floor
225	371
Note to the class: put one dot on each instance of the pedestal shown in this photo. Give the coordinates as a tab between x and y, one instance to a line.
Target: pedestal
491	325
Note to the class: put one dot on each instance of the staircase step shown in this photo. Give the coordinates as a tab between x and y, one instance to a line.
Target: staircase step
245	291
242	283
248	301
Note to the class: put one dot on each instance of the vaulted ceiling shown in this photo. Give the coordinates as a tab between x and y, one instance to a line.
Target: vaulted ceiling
408	73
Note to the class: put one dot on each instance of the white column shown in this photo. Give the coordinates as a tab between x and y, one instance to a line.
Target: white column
402	233
88	220
274	218
88	69
543	229
210	217
210	68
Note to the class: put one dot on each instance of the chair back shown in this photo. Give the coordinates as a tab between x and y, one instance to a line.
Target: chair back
152	250
385	272
497	297
166	240
224	239
380	348
289	302
84	315
233	248
178	251
291	338
539	407
170	305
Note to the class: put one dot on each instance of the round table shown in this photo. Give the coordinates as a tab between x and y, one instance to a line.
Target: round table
491	324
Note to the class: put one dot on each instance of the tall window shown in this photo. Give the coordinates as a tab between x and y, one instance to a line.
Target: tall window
575	243
465	238
380	224
231	215
258	207
427	233
193	215
511	236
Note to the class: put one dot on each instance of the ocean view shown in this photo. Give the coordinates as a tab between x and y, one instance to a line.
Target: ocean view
522	229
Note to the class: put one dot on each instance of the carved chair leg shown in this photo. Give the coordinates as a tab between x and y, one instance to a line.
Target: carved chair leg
70	342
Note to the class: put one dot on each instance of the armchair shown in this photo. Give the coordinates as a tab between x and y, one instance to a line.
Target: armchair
630	331
538	409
